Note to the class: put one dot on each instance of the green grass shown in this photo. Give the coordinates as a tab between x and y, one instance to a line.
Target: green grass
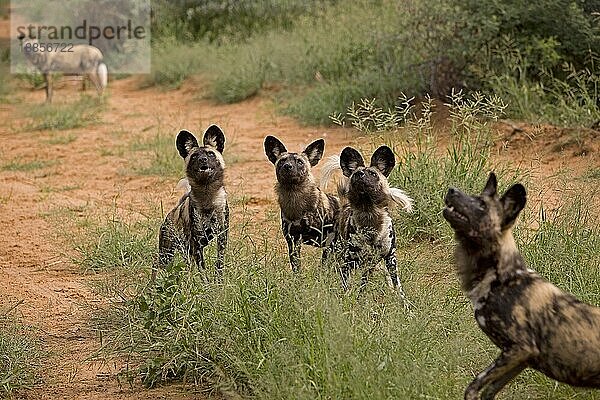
26	166
21	355
169	74
60	139
117	245
161	159
81	113
5	83
4	9
262	333
592	174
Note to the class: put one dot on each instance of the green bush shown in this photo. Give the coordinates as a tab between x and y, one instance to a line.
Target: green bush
226	21
334	54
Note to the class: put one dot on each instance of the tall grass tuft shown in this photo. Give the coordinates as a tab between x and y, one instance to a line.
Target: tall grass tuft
117	245
162	156
80	113
20	355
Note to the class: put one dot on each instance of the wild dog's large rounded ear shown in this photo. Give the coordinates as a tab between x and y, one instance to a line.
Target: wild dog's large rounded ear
513	202
214	137
273	148
350	159
383	159
491	186
185	143
314	151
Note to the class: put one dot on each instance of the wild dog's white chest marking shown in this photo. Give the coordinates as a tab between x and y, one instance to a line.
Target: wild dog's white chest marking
478	295
370	242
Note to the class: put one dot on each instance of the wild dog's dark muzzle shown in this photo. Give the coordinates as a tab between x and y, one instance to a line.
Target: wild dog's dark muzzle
290	171
454	211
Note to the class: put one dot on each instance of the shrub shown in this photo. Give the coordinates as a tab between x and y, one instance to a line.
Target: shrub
21	355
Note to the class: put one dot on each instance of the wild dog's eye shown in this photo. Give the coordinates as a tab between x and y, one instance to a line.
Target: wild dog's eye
211	155
482	204
371	172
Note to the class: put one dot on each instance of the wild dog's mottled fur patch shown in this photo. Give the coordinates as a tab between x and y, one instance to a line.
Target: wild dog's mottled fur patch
202	214
307	214
534	323
365	232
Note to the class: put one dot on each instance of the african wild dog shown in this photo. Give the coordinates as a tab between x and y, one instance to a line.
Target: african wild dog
534	323
82	59
364	231
307	214
202	213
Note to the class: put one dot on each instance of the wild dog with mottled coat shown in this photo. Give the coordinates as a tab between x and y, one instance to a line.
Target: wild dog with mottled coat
534	323
81	59
307	214
365	232
202	214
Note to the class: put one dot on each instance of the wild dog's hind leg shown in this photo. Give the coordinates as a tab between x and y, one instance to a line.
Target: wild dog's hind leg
96	81
508	365
222	241
48	80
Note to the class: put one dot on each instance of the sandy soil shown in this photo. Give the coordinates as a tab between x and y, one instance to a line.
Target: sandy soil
86	177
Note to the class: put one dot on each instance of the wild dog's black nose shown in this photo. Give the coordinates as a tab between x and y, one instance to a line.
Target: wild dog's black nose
287	166
359	173
451	191
204	159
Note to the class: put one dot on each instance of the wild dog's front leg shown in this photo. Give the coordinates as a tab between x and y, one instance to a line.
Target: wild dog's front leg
508	365
391	265
222	241
166	247
198	257
327	248
294	244
348	265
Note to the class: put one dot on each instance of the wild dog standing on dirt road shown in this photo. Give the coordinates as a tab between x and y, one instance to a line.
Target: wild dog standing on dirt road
307	214
79	59
534	323
202	213
364	231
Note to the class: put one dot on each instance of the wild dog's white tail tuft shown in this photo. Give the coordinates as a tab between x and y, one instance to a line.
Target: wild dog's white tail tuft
184	185
330	165
103	75
401	198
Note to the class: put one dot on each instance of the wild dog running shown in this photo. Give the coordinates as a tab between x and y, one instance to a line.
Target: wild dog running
307	214
365	231
202	214
534	323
